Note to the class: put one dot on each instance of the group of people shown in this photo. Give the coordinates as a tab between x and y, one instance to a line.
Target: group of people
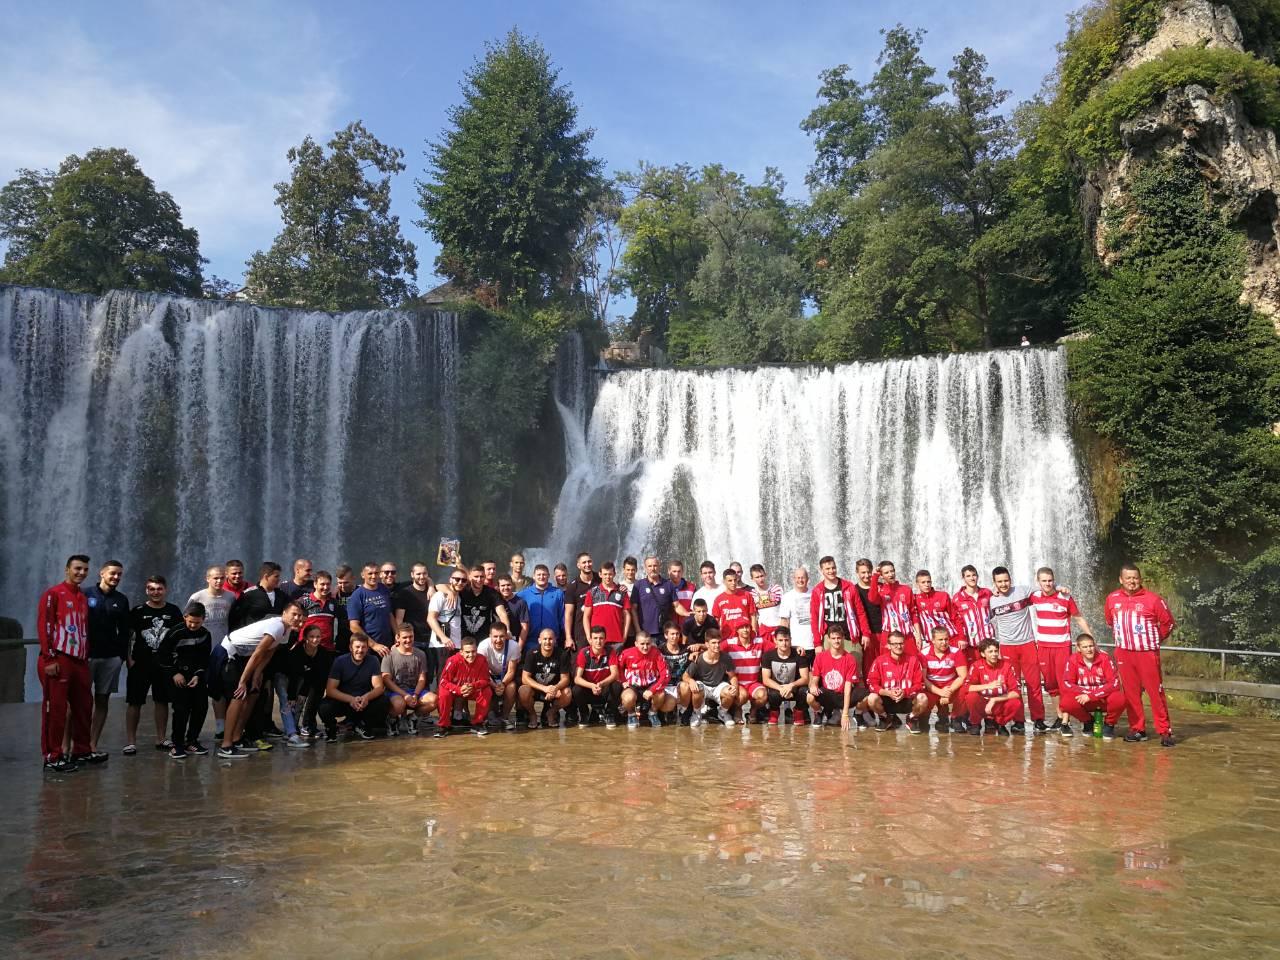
490	651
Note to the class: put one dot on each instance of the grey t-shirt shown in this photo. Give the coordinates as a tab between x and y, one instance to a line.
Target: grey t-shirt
1011	617
405	668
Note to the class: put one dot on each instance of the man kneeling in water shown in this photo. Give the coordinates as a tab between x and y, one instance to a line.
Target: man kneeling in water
896	681
993	691
834	683
595	681
465	677
644	682
404	675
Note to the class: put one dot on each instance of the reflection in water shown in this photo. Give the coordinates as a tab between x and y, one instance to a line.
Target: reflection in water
471	848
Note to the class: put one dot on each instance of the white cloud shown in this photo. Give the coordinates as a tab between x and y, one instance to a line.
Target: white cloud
212	136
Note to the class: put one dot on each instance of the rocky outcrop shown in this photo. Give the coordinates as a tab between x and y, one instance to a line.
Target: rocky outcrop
1240	160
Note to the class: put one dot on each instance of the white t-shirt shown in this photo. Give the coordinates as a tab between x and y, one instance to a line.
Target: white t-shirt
794	608
242	642
497	662
768	604
708	594
449	612
216	607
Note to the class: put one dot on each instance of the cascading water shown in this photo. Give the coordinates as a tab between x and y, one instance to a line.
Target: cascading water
171	434
932	462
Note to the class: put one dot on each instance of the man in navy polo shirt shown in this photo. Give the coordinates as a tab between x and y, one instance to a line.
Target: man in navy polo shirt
369	611
653	599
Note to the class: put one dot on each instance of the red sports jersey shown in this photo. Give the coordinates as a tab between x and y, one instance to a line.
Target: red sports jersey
732	609
643	669
746	660
972	614
1096	679
608	608
62	621
596	669
685	590
897	605
1051	616
457	671
933	609
834	672
941	671
319	614
1139	620
890	674
981	672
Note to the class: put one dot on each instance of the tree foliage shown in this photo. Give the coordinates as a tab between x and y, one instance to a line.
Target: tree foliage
511	180
98	223
340	247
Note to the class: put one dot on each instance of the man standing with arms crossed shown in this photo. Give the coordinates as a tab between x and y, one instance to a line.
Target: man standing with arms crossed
1140	622
62	628
1011	622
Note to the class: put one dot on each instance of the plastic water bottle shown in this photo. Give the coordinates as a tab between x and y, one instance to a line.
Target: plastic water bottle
1097	724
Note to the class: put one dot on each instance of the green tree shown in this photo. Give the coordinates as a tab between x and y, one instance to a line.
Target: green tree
97	224
340	247
512	180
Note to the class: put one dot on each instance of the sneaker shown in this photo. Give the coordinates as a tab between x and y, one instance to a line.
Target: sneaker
93	756
298	741
197	748
331	736
1056	725
442	732
273	733
1001	731
695	721
305	731
799	717
248	746
1166	740
413	726
655	720
511	726
633	721
916	726
773	718
129	750
1108	731
393	727
480	731
941	726
1019	728
231	753
177	753
1039	727
362	733
1065	731
264	745
883	724
1136	736
60	765
975	730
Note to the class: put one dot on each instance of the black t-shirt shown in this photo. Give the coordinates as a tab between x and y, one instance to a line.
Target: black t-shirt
833	605
479	611
255	604
575	594
150	626
292	591
677	663
712	674
414	604
875	618
545	670
695	632
784	670
355	679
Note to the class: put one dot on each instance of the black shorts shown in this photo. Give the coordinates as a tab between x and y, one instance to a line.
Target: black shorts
898	706
231	674
145	676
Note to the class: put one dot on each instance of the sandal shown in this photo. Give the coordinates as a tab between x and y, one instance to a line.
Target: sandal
129	750
164	745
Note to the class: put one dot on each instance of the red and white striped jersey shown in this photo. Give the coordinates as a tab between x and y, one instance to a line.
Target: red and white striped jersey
973	614
685	590
1140	620
62	621
941	671
897	606
933	609
746	660
1051	615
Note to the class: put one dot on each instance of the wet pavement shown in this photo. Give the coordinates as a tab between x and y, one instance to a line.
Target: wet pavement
671	843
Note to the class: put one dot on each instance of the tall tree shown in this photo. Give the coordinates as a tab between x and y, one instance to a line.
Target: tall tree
97	224
511	181
340	247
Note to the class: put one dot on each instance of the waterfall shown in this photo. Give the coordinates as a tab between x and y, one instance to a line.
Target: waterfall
931	462
171	434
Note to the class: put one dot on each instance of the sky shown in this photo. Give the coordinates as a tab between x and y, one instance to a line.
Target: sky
209	97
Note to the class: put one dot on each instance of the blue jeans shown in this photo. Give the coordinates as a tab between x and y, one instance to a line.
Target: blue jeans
286	711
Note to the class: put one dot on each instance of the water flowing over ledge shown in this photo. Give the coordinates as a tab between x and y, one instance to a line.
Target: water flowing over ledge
172	433
931	462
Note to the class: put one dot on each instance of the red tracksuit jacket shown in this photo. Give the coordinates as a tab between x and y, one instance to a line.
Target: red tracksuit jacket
890	674
457	671
897	606
1095	680
855	614
1139	621
981	673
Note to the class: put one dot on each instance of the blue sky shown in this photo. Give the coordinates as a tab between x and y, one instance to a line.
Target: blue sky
210	96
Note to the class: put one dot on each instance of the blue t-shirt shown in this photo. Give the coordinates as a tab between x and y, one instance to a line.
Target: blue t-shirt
652	603
355	679
372	610
546	609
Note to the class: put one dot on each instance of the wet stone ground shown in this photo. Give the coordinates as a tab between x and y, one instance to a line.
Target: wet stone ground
671	843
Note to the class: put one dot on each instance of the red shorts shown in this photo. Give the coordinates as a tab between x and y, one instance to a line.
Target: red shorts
750	686
1053	660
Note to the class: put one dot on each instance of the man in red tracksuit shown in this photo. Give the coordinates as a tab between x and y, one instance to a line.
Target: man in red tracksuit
467	676
934	609
971	610
1140	621
62	623
993	690
897	606
1089	682
835	600
896	682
